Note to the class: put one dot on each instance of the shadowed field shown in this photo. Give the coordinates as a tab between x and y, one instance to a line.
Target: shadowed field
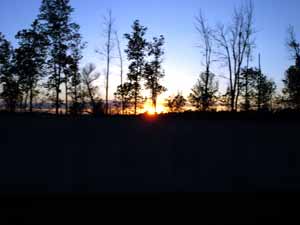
167	154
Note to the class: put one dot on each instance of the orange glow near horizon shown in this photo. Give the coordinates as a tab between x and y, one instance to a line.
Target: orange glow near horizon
150	110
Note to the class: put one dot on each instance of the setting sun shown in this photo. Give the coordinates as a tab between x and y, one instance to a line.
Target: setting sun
149	108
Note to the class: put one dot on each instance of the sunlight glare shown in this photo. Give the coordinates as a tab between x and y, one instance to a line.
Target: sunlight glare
150	110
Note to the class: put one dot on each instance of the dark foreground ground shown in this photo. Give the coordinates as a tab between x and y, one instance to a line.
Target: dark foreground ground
41	154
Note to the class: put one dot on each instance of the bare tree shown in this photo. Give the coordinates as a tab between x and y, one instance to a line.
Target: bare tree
206	46
234	42
89	77
121	67
107	51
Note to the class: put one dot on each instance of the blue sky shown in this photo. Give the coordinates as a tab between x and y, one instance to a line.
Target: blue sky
175	20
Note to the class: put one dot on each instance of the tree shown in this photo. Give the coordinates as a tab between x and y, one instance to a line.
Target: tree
125	95
292	76
176	104
29	60
265	90
234	42
121	69
204	92
8	79
89	76
293	46
153	70
55	18
136	52
72	71
292	87
248	87
107	52
256	89
205	89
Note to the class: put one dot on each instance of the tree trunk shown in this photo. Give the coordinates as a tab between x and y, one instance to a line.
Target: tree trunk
247	100
31	100
232	101
25	102
135	102
107	85
108	51
66	96
205	104
57	90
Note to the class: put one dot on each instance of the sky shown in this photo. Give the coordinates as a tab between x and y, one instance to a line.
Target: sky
175	20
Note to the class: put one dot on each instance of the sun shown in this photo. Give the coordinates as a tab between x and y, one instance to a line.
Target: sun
150	110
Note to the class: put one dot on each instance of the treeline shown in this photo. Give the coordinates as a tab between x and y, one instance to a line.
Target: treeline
45	67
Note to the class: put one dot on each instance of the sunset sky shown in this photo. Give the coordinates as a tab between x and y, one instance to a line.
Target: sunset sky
175	20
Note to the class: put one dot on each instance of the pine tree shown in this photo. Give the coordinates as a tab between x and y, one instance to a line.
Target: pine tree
55	17
153	70
248	87
136	52
265	90
72	71
29	59
8	79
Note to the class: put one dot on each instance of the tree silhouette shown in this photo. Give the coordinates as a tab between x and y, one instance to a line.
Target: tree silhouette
89	76
256	89
292	76
248	87
203	94
292	87
136	52
121	69
55	18
72	71
265	90
234	43
204	90
153	70
176	104
8	79
30	57
125	95
108	31
293	45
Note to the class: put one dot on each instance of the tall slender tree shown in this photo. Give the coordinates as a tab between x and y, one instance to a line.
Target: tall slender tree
154	71
121	69
8	78
55	18
136	53
29	59
72	72
107	52
205	86
248	86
